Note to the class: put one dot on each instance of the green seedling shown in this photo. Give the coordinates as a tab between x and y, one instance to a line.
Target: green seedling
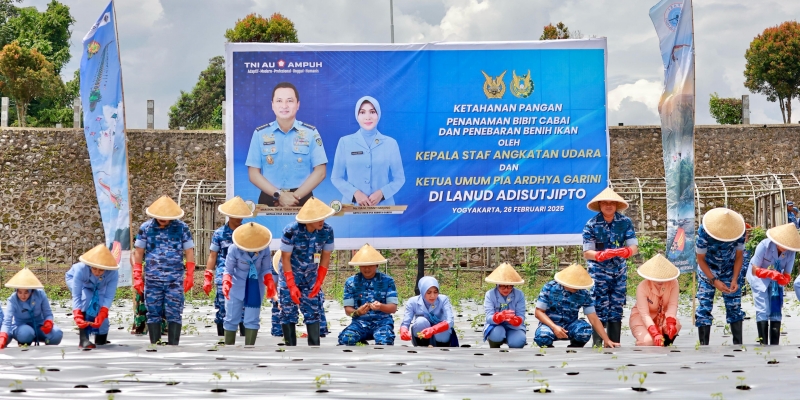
232	374
63	353
717	395
642	378
426	378
697	345
535	377
740	380
623	375
322	380
216	377
41	376
564	364
131	375
16	384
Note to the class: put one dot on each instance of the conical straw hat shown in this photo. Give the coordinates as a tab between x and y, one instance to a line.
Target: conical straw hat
276	259
24	279
164	208
574	277
785	236
505	274
659	269
607	194
723	224
235	208
314	210
252	237
367	255
99	257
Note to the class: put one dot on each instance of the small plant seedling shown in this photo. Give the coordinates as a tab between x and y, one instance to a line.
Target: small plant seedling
642	378
360	344
322	380
697	345
564	364
544	386
63	353
41	376
542	350
742	385
723	377
216	377
232	374
717	395
426	378
131	375
17	385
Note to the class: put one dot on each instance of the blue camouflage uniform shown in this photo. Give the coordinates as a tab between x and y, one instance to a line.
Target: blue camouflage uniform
720	257
247	271
163	268
90	293
220	241
562	308
277	330
420	315
23	319
766	256
286	159
374	324
302	245
610	276
792	218
494	302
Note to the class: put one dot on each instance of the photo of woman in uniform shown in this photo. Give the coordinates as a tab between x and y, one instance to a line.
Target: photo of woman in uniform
367	168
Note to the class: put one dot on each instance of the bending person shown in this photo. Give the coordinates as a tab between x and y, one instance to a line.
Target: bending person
654	318
93	283
28	317
505	309
429	315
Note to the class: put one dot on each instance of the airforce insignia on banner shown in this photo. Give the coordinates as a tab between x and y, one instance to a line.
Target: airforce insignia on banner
494	88
521	85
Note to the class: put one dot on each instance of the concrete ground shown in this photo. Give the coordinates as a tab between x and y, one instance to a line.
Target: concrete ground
135	369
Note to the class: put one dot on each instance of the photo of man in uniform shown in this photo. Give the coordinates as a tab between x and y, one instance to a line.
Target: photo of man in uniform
286	159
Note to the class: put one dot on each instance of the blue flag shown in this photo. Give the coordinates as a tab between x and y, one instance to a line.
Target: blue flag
104	129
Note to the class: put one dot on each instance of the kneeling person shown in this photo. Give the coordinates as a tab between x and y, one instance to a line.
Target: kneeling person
654	318
93	283
505	309
370	299
557	310
28	317
428	315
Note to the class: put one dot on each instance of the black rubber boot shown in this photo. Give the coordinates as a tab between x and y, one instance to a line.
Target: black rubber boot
575	343
703	334
736	332
614	330
250	336
173	334
101	339
313	334
230	338
220	330
494	345
241	328
84	342
597	341
763	332
289	334
774	332
154	330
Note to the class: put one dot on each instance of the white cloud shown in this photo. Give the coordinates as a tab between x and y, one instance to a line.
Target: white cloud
643	91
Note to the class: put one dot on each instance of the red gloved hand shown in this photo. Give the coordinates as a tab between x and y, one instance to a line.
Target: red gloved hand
658	339
604	255
515	320
293	290
507	314
270	284
138	282
77	315
428	333
101	316
498	318
3	340
188	281
623	252
321	272
47	326
784	279
227	284
405	334
767	273
672	328
208	281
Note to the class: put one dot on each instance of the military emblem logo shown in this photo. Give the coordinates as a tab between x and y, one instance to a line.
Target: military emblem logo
494	88
336	205
521	85
319	141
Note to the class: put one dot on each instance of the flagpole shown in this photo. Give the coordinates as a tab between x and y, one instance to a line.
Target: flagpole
124	129
694	173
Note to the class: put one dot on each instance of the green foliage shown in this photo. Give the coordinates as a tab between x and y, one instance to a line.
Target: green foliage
756	235
202	107
530	267
322	380
559	31
649	246
726	111
26	74
773	65
255	28
48	32
426	378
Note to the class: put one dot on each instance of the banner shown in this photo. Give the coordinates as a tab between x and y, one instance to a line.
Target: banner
421	145
104	128
674	25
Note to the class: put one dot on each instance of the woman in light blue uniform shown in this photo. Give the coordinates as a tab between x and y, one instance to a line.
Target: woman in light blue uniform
770	270
505	309
367	168
429	315
28	317
93	283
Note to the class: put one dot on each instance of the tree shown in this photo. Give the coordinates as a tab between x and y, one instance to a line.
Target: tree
727	111
196	110
48	32
773	65
255	28
560	31
24	75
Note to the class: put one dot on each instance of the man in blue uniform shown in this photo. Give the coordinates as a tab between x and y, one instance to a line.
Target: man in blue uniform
286	159
370	299
719	247
93	283
162	243
306	247
608	240
791	213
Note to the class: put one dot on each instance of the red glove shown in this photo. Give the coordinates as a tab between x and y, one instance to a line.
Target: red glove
47	326
101	316
767	273
623	252
515	320
498	318
672	328
270	284
208	281
405	334
4	340
227	284
428	333
138	282
604	255
293	290
658	340
188	282
321	272
784	279
77	315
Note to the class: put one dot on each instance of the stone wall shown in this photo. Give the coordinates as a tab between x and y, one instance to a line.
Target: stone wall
48	210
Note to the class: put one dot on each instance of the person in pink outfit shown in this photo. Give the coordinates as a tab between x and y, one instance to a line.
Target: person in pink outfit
654	318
